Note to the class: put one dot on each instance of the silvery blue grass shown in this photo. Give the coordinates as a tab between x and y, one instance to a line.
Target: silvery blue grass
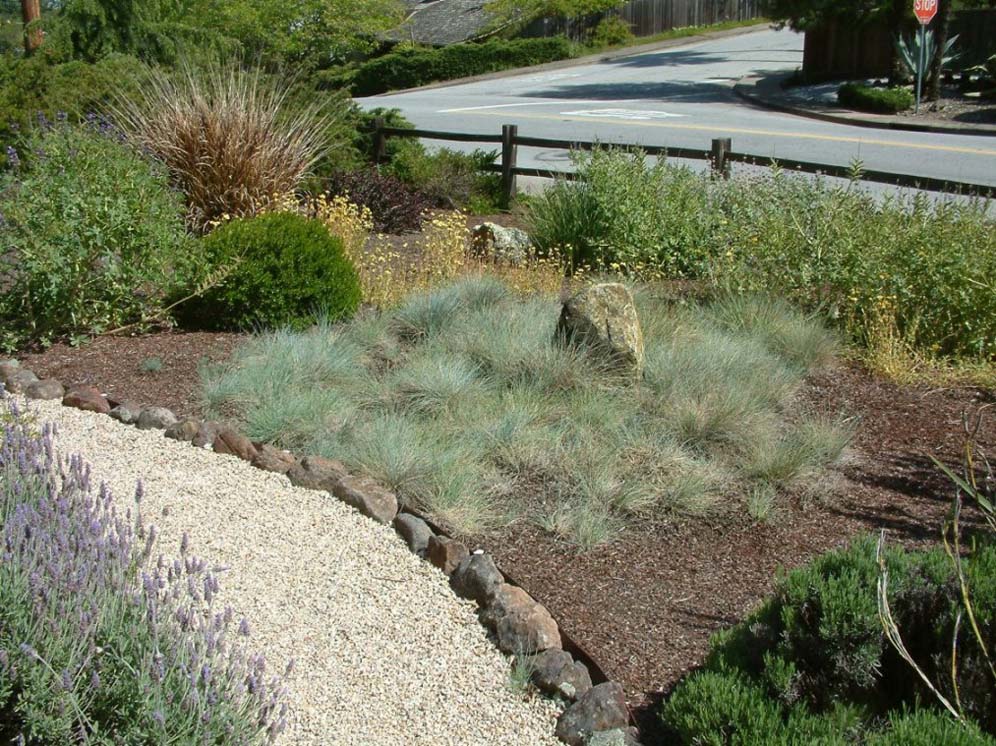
99	642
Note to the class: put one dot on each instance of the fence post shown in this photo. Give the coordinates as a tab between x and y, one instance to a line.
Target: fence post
379	140
720	147
509	153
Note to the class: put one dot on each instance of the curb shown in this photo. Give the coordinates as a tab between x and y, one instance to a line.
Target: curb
377	503
766	92
589	59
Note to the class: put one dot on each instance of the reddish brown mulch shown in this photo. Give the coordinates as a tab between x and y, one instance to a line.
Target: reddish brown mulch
645	605
115	365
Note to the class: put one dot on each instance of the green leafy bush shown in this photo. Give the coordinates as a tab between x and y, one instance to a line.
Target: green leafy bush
904	272
622	210
875	100
817	652
93	237
38	85
411	67
612	31
281	270
450	178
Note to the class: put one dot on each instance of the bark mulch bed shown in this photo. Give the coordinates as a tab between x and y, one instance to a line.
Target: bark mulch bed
645	605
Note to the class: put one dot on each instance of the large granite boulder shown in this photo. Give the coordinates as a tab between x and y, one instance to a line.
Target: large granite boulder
603	319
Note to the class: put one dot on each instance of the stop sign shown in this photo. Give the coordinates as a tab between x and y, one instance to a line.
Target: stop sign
925	10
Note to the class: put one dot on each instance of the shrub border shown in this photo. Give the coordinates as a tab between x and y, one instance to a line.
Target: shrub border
369	499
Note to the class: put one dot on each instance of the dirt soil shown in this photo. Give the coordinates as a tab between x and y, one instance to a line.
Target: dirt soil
644	606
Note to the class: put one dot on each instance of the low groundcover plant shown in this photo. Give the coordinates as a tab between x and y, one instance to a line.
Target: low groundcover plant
98	643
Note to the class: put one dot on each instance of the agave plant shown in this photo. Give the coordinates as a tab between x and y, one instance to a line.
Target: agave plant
910	52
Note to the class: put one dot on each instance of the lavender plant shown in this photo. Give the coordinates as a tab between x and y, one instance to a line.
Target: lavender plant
100	644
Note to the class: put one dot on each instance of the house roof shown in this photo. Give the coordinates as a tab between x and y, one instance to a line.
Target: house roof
441	22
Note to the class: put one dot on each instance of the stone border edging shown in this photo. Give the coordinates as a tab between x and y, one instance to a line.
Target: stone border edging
765	91
521	626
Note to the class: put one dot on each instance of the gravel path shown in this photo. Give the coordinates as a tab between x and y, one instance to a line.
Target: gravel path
384	652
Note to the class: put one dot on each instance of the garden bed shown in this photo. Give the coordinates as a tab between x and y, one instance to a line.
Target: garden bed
645	604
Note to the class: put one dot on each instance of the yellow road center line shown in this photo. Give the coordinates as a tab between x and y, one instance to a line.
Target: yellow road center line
747	131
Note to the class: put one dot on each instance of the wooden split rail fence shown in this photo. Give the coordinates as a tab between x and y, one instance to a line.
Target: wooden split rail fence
720	157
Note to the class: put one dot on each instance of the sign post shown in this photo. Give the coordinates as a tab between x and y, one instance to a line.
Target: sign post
925	10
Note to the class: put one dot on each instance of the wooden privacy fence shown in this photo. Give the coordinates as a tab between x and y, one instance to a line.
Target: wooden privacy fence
720	157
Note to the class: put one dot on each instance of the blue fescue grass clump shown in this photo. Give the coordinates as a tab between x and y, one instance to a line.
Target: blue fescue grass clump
99	643
460	401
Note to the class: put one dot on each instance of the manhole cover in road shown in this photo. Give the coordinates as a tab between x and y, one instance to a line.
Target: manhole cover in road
622	114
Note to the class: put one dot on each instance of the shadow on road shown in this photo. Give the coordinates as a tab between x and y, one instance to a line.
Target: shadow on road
674	91
689	57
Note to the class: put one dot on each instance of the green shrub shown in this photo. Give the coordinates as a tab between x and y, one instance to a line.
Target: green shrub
37	85
411	67
448	177
876	100
818	645
623	211
281	270
93	237
612	31
905	272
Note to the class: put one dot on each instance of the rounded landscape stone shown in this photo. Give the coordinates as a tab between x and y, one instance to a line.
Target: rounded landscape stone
415	532
47	389
185	430
88	399
127	412
446	553
155	418
601	708
477	578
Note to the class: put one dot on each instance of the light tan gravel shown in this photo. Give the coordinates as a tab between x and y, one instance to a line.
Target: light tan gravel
384	652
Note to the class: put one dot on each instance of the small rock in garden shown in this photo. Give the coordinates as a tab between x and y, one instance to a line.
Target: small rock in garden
7	367
555	672
614	737
601	708
414	531
477	578
19	380
522	625
368	497
233	443
47	389
271	458
446	553
206	434
317	473
528	629
500	244
505	597
127	412
87	398
603	319
155	418
185	430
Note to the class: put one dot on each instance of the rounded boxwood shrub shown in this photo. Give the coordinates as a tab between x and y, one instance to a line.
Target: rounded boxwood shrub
280	269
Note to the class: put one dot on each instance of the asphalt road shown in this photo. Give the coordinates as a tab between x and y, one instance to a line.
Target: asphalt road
683	97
